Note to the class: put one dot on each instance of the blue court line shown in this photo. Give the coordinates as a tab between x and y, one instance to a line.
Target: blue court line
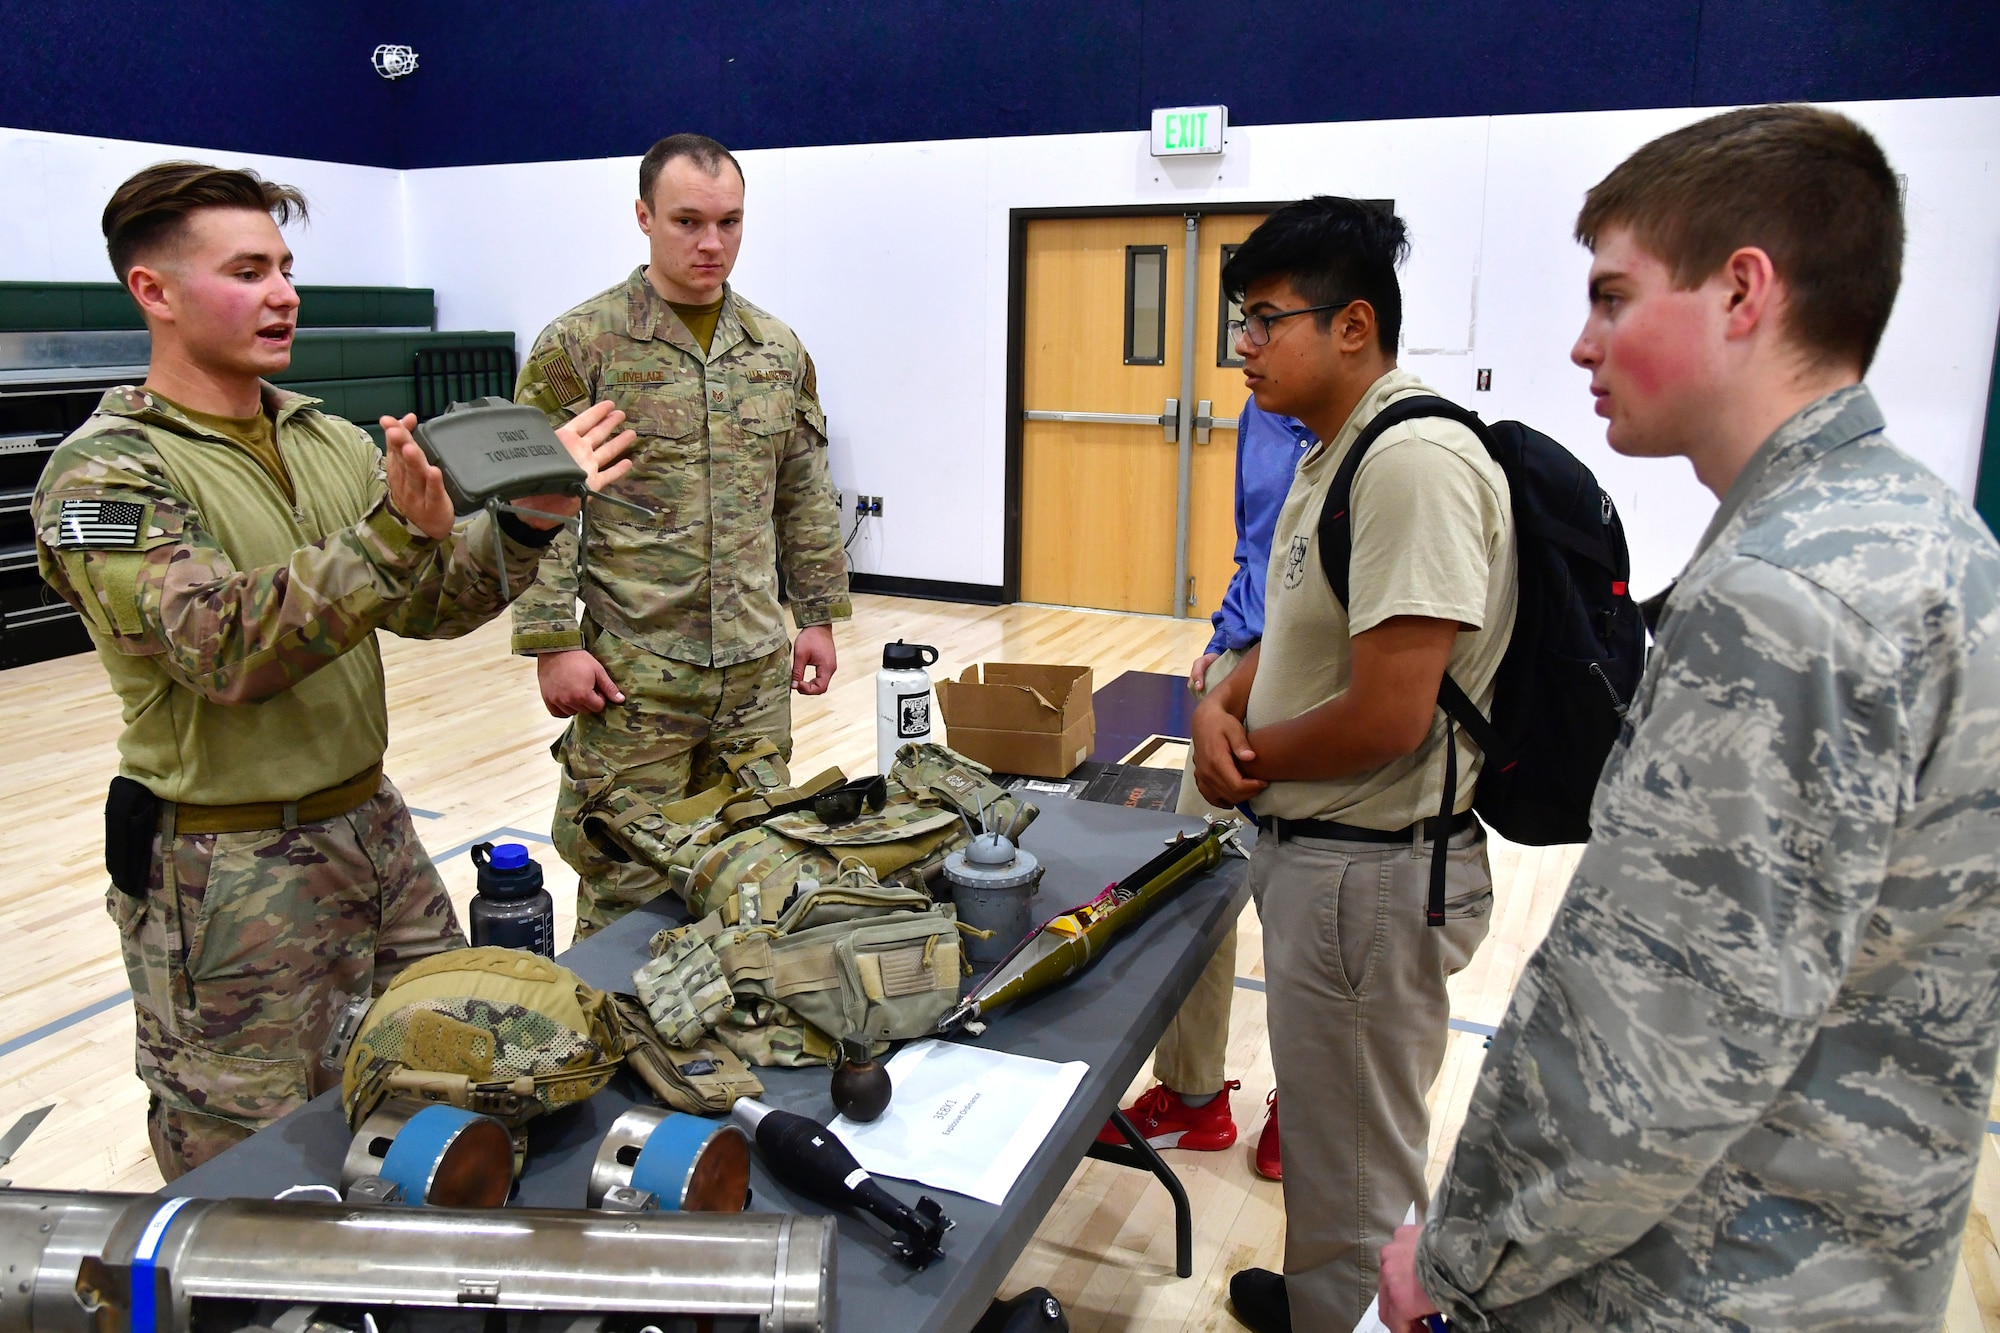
470	843
66	1021
423	814
29	1038
1462	1025
110	1002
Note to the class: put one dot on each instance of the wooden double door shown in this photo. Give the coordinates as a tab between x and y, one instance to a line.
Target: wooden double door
1114	373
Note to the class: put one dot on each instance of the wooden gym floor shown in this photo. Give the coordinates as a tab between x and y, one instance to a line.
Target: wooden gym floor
469	750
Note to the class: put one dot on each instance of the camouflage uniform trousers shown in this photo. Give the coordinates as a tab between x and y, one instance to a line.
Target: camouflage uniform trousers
245	947
1359	1020
664	742
1192	1054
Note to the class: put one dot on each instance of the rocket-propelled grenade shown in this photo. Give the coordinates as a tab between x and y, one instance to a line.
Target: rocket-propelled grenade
1066	944
810	1158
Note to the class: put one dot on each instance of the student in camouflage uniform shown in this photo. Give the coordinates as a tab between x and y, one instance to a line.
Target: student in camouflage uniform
233	550
1743	1083
681	656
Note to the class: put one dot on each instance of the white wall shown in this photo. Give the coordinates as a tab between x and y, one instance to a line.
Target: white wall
53	188
891	262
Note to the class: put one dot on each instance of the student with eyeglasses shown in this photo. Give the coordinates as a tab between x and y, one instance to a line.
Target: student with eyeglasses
1329	731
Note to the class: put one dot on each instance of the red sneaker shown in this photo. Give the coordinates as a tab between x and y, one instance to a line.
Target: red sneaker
1266	1161
1165	1121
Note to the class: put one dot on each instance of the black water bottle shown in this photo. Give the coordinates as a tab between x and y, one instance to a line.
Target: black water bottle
513	910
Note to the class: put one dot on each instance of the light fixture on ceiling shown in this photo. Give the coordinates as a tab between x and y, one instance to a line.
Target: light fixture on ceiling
394	61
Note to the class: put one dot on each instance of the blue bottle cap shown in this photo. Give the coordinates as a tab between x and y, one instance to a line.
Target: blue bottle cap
509	856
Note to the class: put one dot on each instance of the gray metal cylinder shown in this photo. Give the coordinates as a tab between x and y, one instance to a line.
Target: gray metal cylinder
68	1259
991	882
684	1161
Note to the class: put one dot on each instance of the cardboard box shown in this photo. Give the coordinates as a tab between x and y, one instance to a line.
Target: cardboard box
1019	718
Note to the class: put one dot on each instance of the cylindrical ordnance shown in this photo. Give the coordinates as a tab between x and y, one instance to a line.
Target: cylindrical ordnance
95	1263
810	1157
991	882
683	1161
440	1155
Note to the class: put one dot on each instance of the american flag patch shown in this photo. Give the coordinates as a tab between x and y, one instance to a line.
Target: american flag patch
99	523
560	375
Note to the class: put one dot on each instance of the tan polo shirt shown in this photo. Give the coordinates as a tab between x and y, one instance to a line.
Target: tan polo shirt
1433	535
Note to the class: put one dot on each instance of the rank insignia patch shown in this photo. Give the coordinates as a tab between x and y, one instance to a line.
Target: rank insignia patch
561	376
99	523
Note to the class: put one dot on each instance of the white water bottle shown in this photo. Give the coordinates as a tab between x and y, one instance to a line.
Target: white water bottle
902	699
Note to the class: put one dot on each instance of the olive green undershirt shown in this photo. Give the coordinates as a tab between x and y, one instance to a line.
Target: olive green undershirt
700	319
257	436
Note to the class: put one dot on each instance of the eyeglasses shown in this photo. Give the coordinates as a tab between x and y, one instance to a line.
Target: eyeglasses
1257	328
843	805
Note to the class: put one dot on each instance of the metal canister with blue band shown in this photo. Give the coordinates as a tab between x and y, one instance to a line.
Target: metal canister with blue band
683	1162
85	1263
436	1155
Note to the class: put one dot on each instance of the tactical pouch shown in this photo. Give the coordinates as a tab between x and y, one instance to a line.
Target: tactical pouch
626	825
934	797
131	818
682	989
853	958
885	980
703	1077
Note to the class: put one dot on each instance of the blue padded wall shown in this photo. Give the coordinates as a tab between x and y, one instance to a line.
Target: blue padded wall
543	80
259	76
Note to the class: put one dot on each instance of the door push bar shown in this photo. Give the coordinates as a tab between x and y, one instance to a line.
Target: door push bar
1169	420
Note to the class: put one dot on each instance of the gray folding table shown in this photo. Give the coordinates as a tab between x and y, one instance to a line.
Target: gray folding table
1110	1017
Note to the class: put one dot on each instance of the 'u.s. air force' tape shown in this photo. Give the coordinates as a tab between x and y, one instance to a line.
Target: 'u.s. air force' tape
145	1305
99	523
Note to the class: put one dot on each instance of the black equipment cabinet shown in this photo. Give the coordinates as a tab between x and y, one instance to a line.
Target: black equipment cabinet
363	351
35	624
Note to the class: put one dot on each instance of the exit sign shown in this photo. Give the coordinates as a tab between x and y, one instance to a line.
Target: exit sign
1184	130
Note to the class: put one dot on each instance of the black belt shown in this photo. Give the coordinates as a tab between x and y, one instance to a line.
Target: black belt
1338	832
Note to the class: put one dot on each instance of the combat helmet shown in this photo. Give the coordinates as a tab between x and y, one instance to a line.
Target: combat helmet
504	1032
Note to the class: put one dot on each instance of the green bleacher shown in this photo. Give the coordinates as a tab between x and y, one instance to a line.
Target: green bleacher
71	307
355	349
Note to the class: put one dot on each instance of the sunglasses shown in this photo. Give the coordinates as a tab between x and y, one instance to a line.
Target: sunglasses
844	804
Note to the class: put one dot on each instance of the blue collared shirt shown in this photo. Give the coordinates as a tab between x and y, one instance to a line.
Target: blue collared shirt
1268	449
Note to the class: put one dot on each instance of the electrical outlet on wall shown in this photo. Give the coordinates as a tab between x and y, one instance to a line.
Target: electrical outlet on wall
874	506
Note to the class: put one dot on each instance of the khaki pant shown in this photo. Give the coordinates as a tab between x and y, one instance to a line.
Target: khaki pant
664	742
1355	997
244	949
1190	1058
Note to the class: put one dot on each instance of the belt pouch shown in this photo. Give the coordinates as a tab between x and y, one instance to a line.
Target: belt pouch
131	816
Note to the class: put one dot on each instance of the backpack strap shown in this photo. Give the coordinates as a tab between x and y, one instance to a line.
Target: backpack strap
1336	528
1336	550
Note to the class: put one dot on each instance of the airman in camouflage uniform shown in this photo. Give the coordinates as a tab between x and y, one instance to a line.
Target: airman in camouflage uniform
1743	1083
680	609
220	594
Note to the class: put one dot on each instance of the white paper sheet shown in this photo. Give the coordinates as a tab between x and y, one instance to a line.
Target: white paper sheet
962	1118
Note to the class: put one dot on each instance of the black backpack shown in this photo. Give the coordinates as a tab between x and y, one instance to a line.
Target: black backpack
1578	646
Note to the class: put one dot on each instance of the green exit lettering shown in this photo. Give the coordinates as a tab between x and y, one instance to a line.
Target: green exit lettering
1187	129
